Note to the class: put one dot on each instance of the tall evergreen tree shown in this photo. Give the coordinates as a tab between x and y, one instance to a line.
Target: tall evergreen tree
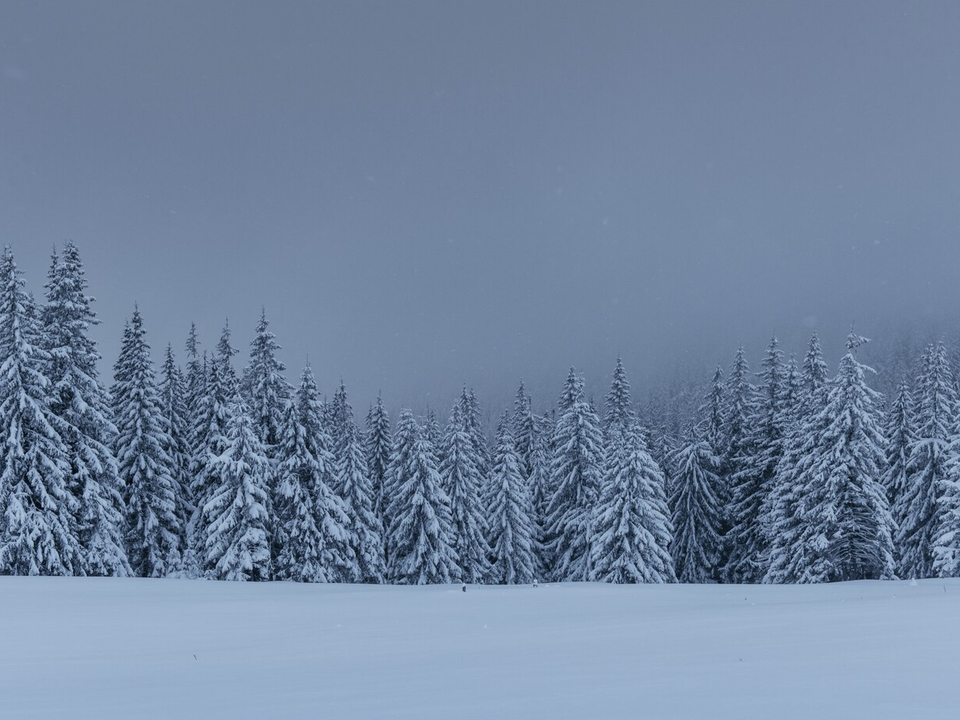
632	524
463	484
147	469
619	417
237	544
79	400
267	386
173	408
931	466
900	432
734	463
36	524
420	542
696	515
366	530
524	430
379	442
512	530
846	526
752	483
575	470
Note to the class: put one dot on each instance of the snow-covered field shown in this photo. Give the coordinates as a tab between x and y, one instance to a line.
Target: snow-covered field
105	648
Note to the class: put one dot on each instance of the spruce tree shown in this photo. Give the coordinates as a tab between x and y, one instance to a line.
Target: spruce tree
463	484
237	543
931	466
147	469
78	399
900	432
696	515
36	523
846	526
365	528
575	470
378	444
421	528
267	386
753	481
619	418
734	463
524	429
173	408
632	527
512	530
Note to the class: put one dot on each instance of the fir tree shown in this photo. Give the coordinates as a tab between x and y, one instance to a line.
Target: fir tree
574	478
524	430
366	531
268	388
174	413
618	419
735	459
421	532
632	528
931	466
79	400
900	432
696	515
846	526
753	481
463	483
237	544
147	470
378	445
512	530
36	533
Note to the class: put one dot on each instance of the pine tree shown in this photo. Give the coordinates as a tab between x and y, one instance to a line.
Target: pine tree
900	432
512	530
421	532
378	445
147	470
209	441
539	485
784	522
846	525
472	419
696	515
174	413
734	462
312	520
79	400
463	484
36	525
575	479
524	430
931	466
268	388
619	418
632	524
195	378
366	531
753	481
237	544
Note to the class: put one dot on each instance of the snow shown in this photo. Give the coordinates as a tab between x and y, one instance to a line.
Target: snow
139	648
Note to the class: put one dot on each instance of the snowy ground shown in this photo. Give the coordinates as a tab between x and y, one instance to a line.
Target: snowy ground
92	648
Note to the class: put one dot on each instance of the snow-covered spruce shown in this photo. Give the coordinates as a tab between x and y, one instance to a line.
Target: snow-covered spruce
378	442
462	482
237	543
147	469
77	397
512	531
365	528
420	535
575	469
632	528
36	525
696	516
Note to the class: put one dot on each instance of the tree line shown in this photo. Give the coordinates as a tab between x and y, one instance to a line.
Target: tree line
786	476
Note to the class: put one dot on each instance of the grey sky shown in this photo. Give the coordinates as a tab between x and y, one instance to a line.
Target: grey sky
425	194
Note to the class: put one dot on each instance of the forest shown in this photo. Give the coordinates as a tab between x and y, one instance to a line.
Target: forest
792	474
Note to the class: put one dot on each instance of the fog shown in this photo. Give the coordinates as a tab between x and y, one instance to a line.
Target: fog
427	194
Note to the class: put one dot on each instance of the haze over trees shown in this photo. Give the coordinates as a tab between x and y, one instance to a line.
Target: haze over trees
790	475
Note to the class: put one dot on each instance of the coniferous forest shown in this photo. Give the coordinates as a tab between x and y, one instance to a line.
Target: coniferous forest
196	464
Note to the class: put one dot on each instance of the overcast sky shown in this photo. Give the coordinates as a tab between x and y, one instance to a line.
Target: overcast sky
428	194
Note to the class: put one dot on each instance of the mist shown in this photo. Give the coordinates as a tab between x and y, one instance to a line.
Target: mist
426	195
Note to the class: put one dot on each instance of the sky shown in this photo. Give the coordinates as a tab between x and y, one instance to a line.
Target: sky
424	195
